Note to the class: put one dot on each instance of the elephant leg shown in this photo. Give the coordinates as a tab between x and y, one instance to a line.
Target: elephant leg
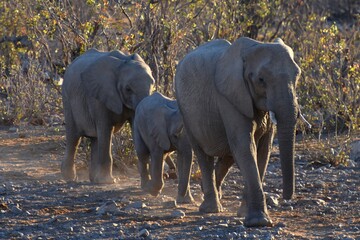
143	167
143	155
263	155
222	168
263	152
184	163
211	203
68	169
101	160
156	183
244	151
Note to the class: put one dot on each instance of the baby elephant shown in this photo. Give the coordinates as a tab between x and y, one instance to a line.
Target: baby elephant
158	131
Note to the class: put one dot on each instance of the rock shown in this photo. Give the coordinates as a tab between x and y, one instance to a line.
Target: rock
13	129
241	228
170	204
351	163
144	233
199	228
280	225
355	150
319	184
155	225
108	207
125	199
268	236
136	205
16	209
272	200
178	214
223	225
319	202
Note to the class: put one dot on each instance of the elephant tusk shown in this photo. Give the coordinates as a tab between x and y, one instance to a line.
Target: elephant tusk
273	118
304	120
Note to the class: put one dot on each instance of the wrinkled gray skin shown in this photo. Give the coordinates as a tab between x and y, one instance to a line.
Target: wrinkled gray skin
158	131
100	92
225	93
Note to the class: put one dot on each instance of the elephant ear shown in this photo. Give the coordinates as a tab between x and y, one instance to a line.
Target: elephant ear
136	57
290	51
158	128
100	82
279	40
177	124
229	76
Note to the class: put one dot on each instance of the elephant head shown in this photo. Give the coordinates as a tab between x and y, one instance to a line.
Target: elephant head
118	82
257	76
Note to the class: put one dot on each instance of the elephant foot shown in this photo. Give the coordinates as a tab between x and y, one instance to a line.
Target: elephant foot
144	183
98	179
68	172
242	211
153	190
259	219
211	206
185	199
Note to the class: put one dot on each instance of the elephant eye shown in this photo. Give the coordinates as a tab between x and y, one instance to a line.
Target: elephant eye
127	89
261	80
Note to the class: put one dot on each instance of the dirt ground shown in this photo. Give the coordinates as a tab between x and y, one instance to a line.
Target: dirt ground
35	203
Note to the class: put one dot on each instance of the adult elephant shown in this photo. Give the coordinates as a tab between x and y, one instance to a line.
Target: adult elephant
158	131
100	92
227	94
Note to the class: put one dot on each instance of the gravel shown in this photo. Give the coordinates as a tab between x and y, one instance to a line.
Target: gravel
36	204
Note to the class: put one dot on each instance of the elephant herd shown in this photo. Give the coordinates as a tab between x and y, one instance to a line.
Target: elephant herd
230	99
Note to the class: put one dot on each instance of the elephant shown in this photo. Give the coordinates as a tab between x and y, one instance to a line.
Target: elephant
232	97
158	131
100	92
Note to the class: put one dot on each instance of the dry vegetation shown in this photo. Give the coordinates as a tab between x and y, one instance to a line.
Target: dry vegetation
38	39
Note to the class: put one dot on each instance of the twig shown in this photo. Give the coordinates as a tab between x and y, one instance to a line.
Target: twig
126	15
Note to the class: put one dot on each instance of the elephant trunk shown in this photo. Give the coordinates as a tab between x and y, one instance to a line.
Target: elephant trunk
286	136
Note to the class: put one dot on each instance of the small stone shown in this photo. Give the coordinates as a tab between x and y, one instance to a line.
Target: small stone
13	130
268	236
178	214
136	205
319	202
125	199
144	233
16	209
319	184
241	228
280	225
289	208
108	207
199	228
155	225
223	225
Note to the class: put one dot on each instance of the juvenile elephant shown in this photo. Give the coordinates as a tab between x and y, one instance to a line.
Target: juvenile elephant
158	130
231	96
100	92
